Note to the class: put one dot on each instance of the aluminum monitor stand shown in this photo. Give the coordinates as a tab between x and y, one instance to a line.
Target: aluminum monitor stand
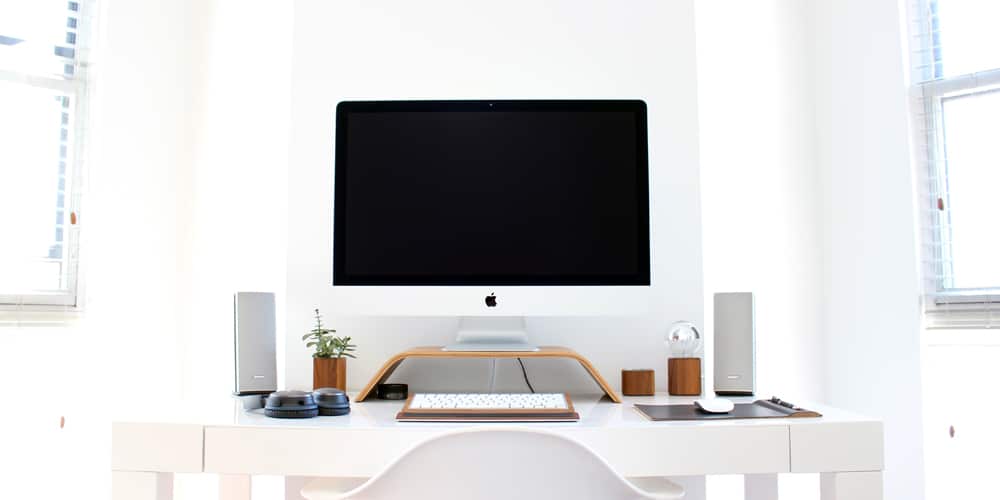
481	333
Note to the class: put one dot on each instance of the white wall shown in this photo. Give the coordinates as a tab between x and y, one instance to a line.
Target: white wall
760	191
456	50
136	216
872	300
238	238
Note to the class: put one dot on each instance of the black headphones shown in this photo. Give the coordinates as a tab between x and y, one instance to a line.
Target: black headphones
326	401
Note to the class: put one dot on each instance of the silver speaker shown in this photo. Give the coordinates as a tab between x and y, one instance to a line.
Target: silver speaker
735	344
254	343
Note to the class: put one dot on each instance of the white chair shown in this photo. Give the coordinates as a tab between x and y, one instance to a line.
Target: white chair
495	464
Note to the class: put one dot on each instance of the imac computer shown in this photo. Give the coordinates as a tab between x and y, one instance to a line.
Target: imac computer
491	211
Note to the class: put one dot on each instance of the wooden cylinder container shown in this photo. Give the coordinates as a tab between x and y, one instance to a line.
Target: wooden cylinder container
638	382
684	376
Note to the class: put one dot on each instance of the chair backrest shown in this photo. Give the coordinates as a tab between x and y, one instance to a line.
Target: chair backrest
499	463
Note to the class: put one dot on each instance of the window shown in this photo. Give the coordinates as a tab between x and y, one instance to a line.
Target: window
42	100
956	90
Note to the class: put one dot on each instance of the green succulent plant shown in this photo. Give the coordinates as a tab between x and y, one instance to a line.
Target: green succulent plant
326	343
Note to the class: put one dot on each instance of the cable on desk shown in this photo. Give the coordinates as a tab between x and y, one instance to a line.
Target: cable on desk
525	373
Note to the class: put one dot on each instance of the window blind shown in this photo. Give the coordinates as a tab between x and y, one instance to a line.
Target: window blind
955	98
43	84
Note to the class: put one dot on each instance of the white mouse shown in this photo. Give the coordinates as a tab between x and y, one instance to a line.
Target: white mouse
714	405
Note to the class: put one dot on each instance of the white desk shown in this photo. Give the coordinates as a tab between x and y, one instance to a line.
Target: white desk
225	439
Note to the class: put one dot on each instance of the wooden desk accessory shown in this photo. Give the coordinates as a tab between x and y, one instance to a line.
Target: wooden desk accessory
638	382
684	376
684	366
436	352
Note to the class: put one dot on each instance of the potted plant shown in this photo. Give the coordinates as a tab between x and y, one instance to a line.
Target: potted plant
330	356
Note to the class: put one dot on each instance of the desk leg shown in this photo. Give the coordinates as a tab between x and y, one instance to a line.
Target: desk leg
234	487
131	485
760	486
850	485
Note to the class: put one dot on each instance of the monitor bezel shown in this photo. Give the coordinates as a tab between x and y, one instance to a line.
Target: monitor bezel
638	107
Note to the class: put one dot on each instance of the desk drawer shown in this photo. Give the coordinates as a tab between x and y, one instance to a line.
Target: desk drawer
156	447
307	451
836	446
690	450
643	451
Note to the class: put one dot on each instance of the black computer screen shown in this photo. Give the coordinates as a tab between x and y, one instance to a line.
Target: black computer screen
491	193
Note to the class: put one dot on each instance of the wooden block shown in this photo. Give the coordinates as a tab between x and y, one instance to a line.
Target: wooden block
684	376
638	382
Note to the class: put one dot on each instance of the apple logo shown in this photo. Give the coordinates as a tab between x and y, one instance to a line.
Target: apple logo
491	300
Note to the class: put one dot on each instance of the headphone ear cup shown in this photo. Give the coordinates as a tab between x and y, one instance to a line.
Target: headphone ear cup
291	404
333	412
291	413
332	402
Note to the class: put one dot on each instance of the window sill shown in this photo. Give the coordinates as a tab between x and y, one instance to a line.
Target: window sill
39	316
961	337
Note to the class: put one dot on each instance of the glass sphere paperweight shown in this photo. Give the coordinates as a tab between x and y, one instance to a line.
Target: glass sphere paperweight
683	340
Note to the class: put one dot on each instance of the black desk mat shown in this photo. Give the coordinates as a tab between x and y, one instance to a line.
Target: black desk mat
757	409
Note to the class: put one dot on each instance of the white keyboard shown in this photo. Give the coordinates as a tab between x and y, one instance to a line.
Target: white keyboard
489	401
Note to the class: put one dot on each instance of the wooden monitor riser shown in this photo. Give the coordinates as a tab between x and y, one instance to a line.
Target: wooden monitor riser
437	352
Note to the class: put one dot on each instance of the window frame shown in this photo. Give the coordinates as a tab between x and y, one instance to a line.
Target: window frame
77	89
945	306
